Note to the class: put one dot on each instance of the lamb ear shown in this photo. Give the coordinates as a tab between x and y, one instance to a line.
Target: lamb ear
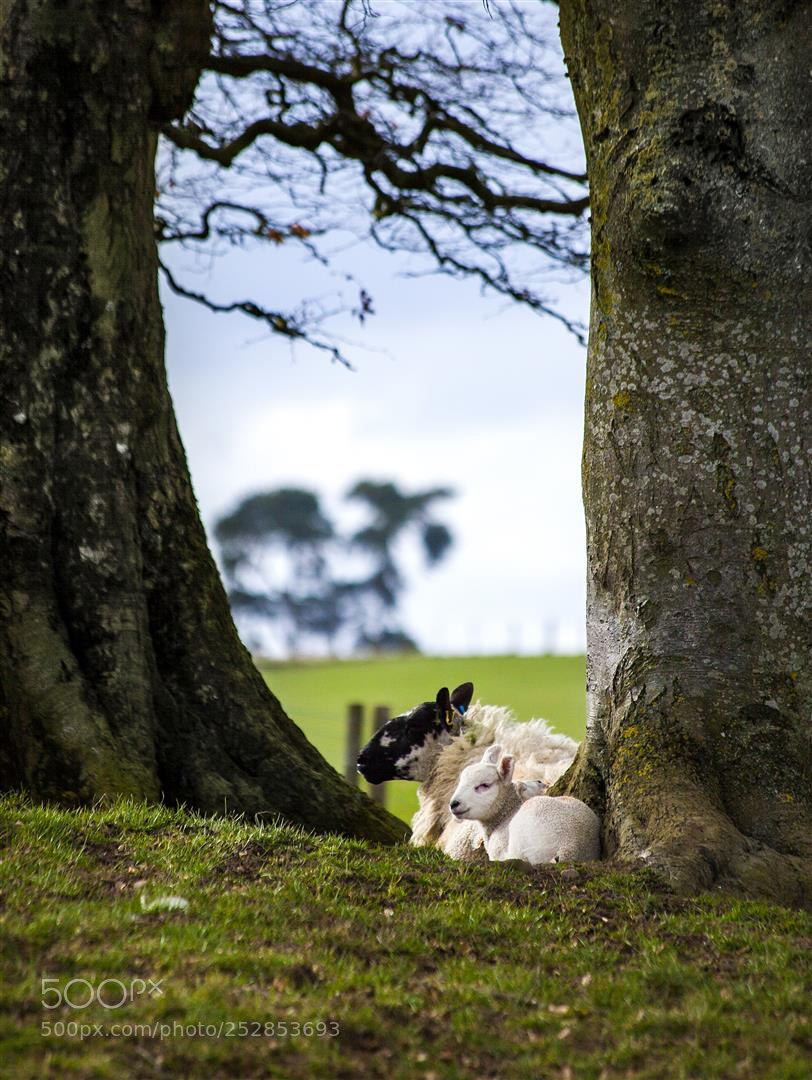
461	697
492	754
505	768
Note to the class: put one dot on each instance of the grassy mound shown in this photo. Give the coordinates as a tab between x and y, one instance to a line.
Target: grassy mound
427	968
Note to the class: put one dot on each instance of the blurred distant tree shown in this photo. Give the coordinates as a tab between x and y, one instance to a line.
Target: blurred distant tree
281	560
288	522
394	514
288	518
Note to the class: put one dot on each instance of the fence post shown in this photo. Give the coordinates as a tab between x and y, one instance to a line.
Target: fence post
377	792
355	722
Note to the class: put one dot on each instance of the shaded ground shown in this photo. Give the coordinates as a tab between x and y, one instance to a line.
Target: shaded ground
429	969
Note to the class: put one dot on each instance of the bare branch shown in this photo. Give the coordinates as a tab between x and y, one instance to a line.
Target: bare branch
433	129
286	325
299	135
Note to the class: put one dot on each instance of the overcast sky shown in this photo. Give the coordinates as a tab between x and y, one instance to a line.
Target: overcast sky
468	394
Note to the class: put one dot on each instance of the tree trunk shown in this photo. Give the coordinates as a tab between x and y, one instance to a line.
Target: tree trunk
697	458
120	670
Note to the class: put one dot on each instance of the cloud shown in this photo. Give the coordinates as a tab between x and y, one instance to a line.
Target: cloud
489	406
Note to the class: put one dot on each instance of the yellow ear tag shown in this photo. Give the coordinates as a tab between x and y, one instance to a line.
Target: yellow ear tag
448	718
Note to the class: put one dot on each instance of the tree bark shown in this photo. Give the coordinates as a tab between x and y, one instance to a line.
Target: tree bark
120	669
696	472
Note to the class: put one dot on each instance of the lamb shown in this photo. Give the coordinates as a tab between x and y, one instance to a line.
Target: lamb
528	789
434	741
538	829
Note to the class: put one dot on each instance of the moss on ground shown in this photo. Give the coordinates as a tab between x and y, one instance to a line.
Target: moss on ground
430	969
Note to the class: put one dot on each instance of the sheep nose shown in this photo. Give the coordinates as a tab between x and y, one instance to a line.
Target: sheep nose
454	804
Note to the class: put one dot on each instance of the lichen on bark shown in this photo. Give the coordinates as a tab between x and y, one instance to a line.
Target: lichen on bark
697	471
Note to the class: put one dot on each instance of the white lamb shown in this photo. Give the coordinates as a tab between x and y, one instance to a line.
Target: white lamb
434	741
539	752
538	829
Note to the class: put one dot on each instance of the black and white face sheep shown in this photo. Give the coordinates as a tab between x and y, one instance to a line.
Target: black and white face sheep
433	742
406	747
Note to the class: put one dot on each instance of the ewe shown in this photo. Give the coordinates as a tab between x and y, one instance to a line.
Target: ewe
537	829
433	743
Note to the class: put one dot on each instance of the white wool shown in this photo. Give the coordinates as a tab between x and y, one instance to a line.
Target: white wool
547	829
537	830
540	753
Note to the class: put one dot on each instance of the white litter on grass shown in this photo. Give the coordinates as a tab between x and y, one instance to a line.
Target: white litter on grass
164	903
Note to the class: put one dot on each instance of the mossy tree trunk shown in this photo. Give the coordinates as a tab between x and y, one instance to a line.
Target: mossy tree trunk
698	448
120	670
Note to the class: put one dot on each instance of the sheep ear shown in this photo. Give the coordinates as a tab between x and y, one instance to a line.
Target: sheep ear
461	697
444	707
505	768
492	754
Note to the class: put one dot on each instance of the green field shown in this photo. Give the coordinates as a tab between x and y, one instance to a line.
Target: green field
316	695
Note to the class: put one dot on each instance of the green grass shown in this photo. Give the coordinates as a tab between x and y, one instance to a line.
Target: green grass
431	969
316	695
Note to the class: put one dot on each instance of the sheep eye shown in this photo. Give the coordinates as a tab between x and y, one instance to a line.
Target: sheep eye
482	787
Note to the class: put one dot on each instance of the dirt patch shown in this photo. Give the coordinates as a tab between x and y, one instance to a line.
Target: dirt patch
246	864
115	871
254	860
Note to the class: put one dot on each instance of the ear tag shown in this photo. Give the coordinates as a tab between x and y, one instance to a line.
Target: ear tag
448	718
461	710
